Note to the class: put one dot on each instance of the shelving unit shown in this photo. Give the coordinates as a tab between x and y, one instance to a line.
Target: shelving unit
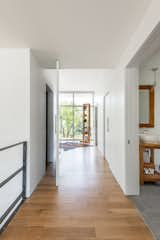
147	177
86	123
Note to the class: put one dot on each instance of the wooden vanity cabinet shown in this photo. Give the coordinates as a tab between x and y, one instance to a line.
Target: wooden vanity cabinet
147	177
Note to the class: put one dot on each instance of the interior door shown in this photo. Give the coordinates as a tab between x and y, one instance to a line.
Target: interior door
107	122
49	126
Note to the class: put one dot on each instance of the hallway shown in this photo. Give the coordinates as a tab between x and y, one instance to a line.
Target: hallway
88	205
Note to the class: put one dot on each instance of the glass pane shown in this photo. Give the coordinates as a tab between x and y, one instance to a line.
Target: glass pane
66	99
71	117
78	123
83	98
144	106
66	122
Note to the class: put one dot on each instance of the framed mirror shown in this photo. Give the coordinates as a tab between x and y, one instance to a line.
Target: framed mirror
146	106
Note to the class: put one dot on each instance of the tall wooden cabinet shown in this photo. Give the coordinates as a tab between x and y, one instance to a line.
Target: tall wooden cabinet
86	123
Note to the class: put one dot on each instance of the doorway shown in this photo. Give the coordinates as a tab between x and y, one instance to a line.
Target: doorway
77	120
49	126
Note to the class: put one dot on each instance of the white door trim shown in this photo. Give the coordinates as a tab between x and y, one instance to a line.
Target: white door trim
104	123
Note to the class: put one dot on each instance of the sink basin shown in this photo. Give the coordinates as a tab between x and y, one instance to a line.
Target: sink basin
150	138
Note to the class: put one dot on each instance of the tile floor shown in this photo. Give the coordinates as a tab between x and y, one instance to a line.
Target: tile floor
148	204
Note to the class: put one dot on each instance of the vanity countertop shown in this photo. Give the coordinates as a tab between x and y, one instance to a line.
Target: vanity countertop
150	138
150	144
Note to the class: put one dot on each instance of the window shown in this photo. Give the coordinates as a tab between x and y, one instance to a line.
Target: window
71	114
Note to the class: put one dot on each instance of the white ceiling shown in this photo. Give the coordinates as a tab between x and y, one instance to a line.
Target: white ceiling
80	33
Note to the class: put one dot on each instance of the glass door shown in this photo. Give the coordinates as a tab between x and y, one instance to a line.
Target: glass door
71	115
66	122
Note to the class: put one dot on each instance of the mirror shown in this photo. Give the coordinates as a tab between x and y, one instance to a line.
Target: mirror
146	106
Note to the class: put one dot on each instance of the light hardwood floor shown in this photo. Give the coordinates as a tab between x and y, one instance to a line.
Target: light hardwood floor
88	205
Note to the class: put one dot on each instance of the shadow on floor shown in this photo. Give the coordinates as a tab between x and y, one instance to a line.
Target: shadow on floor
72	145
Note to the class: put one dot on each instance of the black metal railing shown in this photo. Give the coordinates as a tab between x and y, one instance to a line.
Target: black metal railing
11	210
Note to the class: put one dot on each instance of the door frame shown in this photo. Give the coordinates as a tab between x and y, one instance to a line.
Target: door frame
95	124
104	123
49	90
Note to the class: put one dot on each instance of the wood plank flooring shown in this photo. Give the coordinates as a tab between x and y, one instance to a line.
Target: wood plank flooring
88	205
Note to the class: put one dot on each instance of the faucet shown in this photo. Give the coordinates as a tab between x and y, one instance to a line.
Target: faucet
145	131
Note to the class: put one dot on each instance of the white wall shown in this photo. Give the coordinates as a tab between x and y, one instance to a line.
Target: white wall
124	165
37	135
95	80
85	80
14	96
131	131
116	89
22	103
14	100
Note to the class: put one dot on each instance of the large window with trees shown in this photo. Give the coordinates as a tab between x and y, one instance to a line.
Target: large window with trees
71	114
